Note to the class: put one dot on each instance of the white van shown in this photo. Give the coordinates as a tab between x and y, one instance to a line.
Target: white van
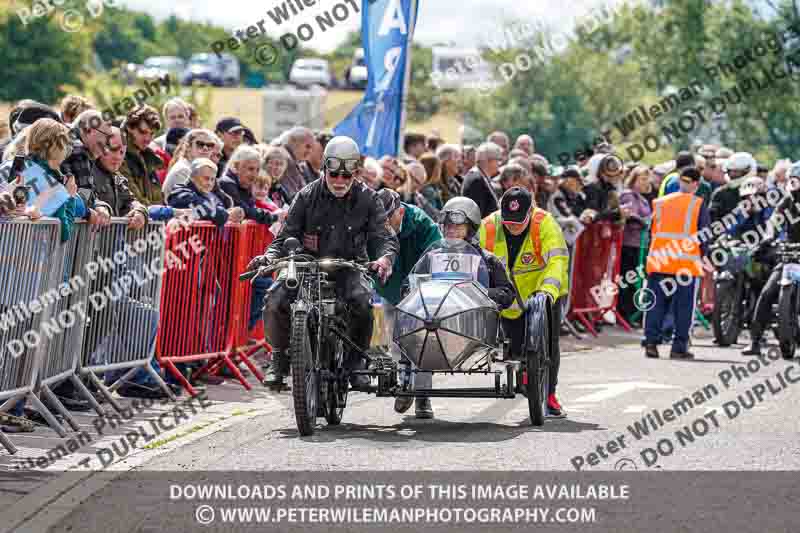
357	75
461	68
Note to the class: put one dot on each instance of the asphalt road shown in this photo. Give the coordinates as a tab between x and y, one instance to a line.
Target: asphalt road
610	393
604	391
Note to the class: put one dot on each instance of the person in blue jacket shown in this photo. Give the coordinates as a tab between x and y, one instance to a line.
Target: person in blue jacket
203	195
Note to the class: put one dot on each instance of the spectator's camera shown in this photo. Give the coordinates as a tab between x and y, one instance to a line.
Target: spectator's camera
21	195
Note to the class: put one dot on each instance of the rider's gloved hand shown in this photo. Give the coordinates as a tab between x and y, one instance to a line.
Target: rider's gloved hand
384	268
549	296
258	261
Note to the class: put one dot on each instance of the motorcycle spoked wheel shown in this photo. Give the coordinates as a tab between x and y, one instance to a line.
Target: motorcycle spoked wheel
537	381
727	307
788	326
334	391
305	374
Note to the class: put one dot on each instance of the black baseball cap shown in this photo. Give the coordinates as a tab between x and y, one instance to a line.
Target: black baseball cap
390	200
229	124
32	113
515	205
174	136
690	172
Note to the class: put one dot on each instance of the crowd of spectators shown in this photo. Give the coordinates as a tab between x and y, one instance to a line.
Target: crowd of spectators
159	165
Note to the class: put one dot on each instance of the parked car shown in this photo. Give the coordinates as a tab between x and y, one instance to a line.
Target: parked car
307	72
357	75
212	69
160	66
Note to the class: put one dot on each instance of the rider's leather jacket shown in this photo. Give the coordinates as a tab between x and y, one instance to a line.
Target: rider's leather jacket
789	210
328	226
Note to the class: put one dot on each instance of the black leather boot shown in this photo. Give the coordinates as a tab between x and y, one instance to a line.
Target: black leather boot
754	349
278	371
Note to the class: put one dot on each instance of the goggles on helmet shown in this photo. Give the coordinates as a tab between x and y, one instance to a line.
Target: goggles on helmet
454	217
334	164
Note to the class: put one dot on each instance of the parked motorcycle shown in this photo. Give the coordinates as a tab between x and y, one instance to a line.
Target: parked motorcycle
789	299
737	284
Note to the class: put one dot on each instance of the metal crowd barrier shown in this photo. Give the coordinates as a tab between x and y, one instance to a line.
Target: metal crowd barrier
63	332
123	275
205	304
596	262
27	271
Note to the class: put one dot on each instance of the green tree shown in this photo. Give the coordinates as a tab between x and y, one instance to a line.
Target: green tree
38	58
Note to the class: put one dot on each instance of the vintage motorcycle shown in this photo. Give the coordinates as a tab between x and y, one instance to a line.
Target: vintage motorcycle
445	325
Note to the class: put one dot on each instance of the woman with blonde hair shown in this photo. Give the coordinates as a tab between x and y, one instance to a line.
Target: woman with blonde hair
197	143
435	191
47	144
411	191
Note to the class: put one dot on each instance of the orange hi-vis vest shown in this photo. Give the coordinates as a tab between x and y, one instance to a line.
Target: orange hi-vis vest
674	246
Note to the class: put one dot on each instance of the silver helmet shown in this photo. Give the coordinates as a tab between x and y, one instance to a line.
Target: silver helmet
341	158
342	147
465	206
741	162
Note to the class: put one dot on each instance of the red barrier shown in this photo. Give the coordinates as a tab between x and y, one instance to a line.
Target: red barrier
707	295
204	306
596	263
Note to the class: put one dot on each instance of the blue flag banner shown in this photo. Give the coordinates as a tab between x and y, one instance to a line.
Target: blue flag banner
376	123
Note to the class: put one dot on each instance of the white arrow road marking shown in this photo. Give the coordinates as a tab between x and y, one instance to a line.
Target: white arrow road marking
612	390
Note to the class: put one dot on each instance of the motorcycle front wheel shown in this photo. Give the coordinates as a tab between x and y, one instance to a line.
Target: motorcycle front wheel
305	374
788	321
725	318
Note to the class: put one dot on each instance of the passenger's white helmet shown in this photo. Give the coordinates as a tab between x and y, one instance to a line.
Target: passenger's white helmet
741	162
793	177
751	186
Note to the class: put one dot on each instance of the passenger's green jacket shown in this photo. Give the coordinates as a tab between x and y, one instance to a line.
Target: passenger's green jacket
417	233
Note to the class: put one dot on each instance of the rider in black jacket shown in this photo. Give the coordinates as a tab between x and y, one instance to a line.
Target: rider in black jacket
786	216
332	217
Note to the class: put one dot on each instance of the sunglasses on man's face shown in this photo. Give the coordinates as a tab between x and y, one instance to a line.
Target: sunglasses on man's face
340	174
687	181
205	145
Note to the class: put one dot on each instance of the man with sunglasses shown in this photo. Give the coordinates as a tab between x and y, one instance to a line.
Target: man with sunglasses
89	138
112	187
336	216
531	246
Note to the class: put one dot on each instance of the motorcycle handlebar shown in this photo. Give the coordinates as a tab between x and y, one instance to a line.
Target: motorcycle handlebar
291	275
291	265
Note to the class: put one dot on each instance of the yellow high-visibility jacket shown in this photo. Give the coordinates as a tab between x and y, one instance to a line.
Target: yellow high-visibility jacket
541	265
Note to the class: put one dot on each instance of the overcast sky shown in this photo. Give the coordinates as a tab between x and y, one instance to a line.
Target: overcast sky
464	22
